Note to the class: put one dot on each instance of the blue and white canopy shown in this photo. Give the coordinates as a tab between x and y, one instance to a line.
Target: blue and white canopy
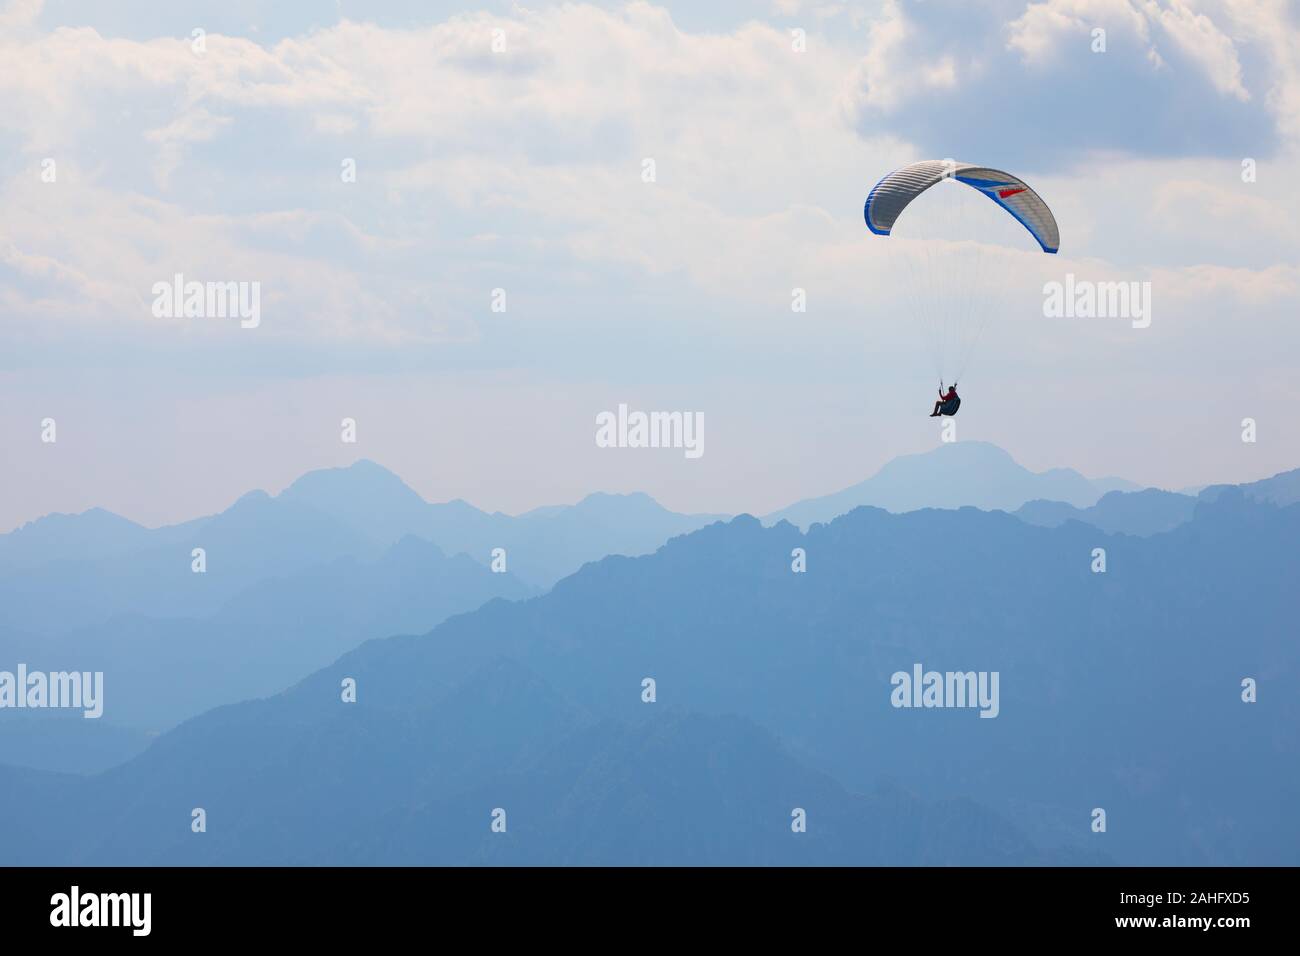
891	195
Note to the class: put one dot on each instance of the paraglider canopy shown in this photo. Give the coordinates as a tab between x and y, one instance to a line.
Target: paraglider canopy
892	194
957	259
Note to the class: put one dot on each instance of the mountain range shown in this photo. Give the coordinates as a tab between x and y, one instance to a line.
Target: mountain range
954	475
1120	690
291	581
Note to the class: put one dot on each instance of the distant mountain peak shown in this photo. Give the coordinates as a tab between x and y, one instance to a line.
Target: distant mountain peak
1050	472
363	477
251	498
957	474
99	517
1281	489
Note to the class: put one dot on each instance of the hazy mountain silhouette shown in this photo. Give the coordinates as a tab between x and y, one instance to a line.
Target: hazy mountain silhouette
700	790
292	581
159	671
542	545
62	740
1119	690
65	572
299	781
256	538
90	535
953	475
1282	489
1149	511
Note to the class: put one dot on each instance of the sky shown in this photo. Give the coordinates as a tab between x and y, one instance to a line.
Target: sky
140	140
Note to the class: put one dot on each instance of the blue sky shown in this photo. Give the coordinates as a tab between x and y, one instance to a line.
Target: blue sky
522	170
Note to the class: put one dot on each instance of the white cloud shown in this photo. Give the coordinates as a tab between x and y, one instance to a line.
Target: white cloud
19	15
194	126
1204	43
1044	29
760	172
1270	25
897	65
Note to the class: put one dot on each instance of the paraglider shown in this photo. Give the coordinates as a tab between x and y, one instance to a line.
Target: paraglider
946	274
947	404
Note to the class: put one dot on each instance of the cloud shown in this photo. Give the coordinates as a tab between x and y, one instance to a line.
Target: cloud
194	126
227	164
1046	31
1027	81
898	67
451	141
16	15
1203	43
